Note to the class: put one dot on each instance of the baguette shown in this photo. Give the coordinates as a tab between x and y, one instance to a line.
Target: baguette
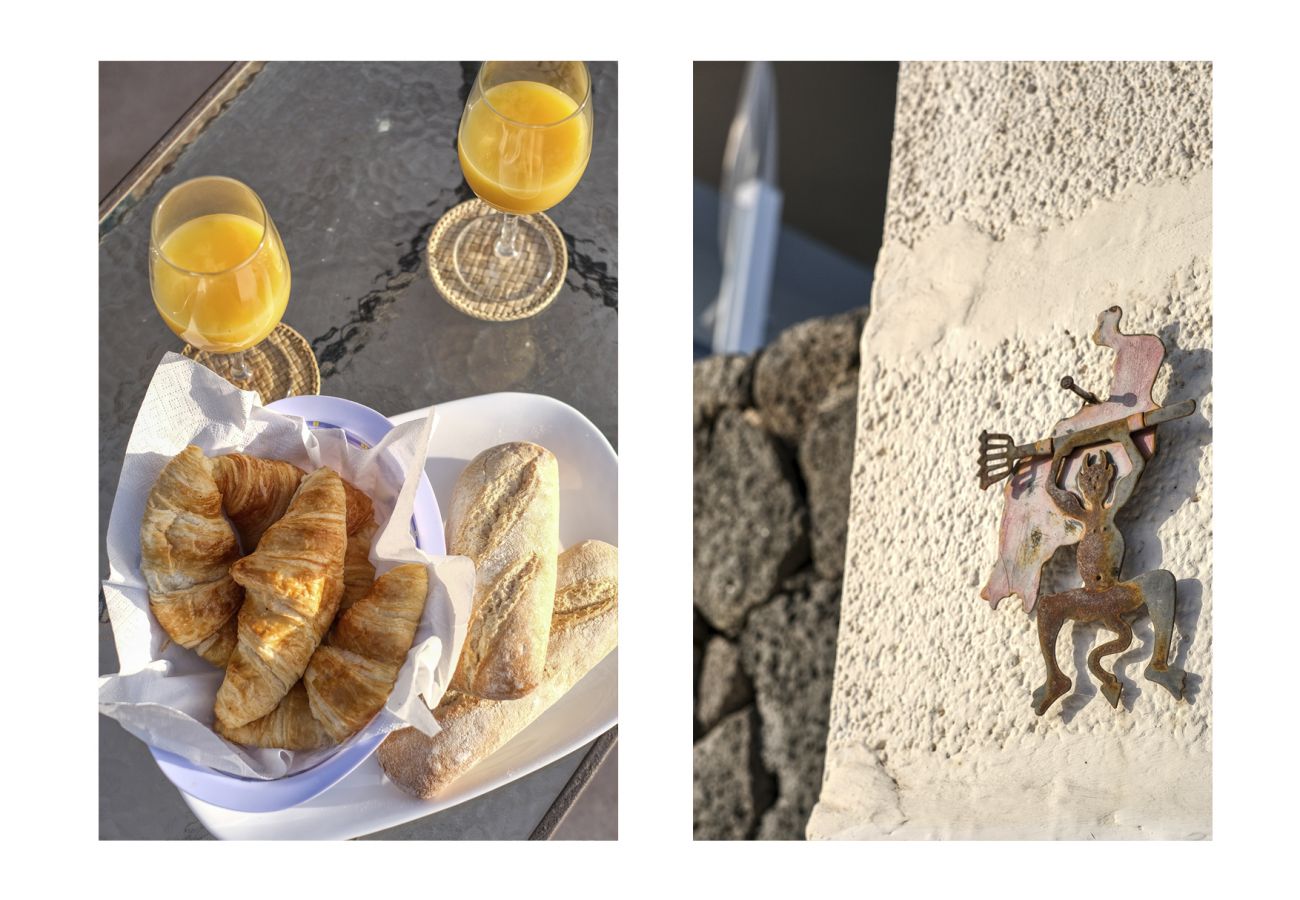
583	632
505	517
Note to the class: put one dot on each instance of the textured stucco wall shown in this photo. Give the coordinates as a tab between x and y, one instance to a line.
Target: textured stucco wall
1024	199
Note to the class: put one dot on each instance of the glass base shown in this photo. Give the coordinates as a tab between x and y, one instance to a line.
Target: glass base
281	366
494	276
495	270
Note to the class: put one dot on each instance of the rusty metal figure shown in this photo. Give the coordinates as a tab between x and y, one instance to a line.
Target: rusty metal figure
1107	459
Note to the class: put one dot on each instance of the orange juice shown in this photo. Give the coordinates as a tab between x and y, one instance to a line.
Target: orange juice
226	288
512	154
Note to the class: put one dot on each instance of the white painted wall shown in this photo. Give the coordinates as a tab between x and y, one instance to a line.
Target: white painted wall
1024	199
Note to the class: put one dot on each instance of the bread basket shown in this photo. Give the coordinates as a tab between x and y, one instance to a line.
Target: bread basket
363	427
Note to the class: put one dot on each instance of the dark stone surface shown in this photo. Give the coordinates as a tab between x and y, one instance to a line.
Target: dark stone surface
723	687
722	382
788	649
701	449
702	632
731	788
794	373
750	521
826	461
754	580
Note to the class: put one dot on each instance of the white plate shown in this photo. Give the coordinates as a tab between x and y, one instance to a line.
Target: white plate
365	801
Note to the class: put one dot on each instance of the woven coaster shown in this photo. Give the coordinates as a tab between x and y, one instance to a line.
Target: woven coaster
442	267
283	365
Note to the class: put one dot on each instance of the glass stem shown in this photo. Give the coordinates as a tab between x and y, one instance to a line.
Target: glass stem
507	244
240	375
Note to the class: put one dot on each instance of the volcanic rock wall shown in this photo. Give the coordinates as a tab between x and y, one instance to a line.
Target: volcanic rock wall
773	452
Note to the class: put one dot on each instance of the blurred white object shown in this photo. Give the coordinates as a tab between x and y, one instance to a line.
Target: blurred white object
750	216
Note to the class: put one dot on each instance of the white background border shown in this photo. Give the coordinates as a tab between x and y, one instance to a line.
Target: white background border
51	372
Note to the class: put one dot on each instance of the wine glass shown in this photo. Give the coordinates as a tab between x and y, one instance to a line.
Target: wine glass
218	271
524	142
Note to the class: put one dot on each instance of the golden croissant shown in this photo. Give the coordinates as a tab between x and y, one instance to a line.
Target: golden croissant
360	509
351	675
358	573
186	553
217	648
290	726
254	492
292	583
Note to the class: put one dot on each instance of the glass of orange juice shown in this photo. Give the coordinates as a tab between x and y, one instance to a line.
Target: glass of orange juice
218	270
524	142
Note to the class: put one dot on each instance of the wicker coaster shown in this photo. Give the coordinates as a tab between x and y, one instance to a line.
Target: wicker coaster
283	365
480	255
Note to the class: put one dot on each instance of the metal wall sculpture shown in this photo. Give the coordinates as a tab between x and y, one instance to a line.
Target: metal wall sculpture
1066	489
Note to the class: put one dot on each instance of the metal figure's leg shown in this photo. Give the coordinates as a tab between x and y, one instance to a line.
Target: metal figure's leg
1050	619
1111	687
1158	590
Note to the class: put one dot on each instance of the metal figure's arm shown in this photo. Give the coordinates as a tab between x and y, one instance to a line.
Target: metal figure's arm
1065	501
1126	485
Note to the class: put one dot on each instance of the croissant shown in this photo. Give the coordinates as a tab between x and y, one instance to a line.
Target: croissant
218	647
293	582
254	492
360	509
358	573
351	675
186	552
290	726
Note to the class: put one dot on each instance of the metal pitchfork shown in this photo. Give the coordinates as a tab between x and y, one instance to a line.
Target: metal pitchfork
999	453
